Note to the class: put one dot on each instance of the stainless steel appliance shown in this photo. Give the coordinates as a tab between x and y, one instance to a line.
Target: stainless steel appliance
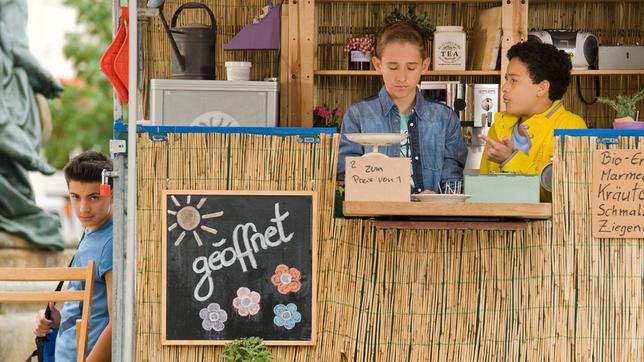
621	57
441	91
582	46
481	103
476	105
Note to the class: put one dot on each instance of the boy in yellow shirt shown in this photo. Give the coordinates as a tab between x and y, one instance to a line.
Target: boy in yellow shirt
521	138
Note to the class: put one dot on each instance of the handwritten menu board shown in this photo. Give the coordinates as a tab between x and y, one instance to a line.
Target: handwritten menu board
238	264
377	179
618	194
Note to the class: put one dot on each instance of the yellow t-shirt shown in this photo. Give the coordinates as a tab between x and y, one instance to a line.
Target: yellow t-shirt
541	129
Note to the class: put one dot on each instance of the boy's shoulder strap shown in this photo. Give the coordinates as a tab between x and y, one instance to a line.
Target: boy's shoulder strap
60	283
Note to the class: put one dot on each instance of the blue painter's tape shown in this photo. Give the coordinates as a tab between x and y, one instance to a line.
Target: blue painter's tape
120	127
607	140
599	132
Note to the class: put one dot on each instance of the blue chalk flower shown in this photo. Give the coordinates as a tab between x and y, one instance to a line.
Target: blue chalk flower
286	315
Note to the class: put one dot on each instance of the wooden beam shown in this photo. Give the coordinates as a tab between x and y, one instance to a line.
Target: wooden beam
451	225
41	274
456	209
514	22
20	297
307	30
285	67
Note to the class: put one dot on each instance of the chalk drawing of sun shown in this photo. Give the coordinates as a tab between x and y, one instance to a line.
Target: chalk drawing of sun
189	219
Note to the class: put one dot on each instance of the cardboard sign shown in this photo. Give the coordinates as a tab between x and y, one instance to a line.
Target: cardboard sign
618	194
239	264
377	179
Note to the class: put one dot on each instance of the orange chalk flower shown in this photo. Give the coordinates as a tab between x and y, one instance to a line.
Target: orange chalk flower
286	279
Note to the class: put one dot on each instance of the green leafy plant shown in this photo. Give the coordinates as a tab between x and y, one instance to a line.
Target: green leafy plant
624	105
251	349
420	19
82	116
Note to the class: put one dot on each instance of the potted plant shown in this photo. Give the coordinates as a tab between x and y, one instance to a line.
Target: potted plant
323	116
625	108
359	50
420	20
251	349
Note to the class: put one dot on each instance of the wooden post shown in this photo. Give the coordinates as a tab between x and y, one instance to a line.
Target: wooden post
308	46
285	67
515	29
297	63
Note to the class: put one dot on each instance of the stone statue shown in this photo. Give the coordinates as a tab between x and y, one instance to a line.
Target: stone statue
21	78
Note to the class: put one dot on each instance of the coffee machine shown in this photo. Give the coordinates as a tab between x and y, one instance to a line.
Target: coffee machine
475	104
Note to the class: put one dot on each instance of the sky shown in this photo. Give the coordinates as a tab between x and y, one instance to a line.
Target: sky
49	21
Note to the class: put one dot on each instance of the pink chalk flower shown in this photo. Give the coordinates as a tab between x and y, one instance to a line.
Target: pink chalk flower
247	302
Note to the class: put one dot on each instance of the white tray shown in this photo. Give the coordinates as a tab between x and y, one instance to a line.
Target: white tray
440	197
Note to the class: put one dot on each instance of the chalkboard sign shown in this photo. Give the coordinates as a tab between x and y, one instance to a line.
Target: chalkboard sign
239	264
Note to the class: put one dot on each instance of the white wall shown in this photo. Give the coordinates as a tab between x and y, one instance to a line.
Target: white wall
49	21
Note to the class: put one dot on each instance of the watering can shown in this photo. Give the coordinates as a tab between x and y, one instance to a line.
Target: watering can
193	46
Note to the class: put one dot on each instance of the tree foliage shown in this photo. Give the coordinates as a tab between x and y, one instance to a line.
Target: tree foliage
82	117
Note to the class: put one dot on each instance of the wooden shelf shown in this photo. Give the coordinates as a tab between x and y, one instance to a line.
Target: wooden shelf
609	72
457	209
415	1
478	72
431	72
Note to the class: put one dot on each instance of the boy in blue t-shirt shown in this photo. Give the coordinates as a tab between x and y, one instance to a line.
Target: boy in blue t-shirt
83	175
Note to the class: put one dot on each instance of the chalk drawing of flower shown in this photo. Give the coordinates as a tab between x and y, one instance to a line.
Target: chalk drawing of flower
286	315
286	279
213	317
247	302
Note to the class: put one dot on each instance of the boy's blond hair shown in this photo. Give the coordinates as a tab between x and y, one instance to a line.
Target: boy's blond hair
401	32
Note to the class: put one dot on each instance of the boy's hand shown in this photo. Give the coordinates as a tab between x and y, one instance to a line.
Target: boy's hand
427	192
498	151
44	326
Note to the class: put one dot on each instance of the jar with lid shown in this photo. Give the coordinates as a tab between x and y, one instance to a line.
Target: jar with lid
359	50
449	48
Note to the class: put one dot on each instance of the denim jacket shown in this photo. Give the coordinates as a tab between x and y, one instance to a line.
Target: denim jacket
438	152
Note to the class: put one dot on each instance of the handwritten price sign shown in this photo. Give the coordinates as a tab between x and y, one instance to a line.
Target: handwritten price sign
377	179
618	194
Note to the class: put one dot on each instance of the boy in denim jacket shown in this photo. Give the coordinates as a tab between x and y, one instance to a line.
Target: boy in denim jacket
434	143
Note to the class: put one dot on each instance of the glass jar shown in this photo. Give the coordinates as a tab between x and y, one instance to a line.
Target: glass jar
359	60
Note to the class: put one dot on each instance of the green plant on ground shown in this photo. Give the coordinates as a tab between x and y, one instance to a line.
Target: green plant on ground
251	349
419	19
624	105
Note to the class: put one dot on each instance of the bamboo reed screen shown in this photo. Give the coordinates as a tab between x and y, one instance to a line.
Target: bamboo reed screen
217	162
612	21
546	291
606	309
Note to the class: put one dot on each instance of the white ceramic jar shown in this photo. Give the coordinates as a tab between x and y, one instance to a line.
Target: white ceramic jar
449	48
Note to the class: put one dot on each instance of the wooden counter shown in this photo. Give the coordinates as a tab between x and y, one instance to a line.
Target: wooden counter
442	209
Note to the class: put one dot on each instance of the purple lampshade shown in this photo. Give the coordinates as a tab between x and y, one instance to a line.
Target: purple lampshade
263	35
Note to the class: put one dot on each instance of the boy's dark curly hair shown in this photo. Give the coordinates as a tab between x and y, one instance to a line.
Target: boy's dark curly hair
544	62
87	167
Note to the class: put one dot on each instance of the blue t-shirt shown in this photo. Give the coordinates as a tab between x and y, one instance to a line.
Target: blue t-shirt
97	246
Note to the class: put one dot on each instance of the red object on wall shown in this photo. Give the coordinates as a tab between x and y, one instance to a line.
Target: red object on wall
114	62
